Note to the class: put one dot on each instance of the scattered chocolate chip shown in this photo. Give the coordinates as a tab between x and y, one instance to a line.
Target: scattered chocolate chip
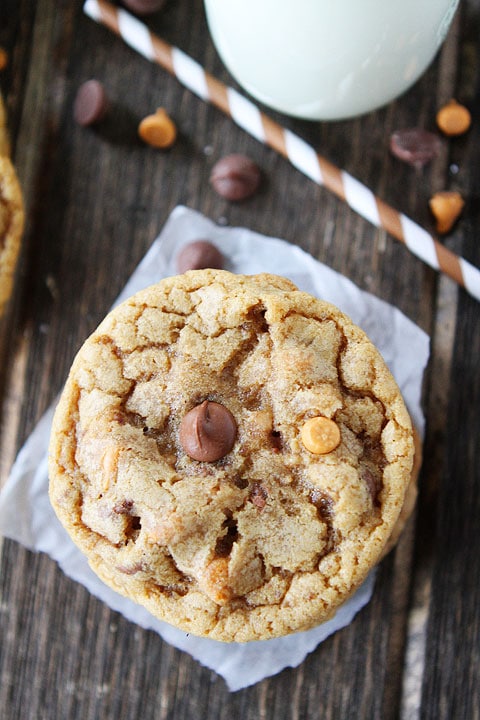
198	255
415	146
258	495
235	177
143	7
91	103
208	432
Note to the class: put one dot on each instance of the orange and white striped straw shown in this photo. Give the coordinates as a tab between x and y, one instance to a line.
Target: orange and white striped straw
302	155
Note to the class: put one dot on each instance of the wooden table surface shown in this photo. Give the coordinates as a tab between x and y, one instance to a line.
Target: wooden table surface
96	199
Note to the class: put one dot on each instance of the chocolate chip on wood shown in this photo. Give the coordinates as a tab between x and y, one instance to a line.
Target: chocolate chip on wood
415	146
235	177
91	103
144	7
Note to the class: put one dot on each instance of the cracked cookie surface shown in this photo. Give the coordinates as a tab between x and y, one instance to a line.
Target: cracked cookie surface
271	538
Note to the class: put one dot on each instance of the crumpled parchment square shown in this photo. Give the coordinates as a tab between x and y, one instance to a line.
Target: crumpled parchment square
404	346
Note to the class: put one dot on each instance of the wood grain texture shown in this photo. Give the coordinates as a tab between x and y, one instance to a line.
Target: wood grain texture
96	199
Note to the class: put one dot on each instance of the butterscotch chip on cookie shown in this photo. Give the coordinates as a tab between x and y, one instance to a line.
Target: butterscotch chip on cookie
231	453
11	227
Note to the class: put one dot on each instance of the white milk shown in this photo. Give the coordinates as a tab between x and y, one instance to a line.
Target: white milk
327	59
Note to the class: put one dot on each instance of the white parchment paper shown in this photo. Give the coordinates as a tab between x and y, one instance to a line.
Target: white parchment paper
34	524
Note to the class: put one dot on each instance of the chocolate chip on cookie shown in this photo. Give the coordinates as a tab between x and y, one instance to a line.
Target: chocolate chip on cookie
208	431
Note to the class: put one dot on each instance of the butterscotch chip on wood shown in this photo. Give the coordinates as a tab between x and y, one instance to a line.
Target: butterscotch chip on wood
177	462
158	130
11	228
454	119
446	207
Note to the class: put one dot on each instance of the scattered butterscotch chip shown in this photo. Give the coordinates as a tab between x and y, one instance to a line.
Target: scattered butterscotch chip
3	58
158	130
446	207
453	119
320	435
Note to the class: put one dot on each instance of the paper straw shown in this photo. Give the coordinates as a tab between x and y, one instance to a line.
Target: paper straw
302	155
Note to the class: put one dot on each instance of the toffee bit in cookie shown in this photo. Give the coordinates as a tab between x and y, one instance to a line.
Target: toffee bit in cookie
415	146
276	440
130	569
208	432
241	483
199	255
258	495
323	503
453	119
372	482
91	103
158	130
235	177
123	507
320	435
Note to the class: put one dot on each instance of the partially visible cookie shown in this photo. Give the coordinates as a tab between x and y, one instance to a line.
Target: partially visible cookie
231	453
4	139
11	227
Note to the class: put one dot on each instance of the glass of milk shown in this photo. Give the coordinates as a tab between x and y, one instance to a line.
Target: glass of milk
327	59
